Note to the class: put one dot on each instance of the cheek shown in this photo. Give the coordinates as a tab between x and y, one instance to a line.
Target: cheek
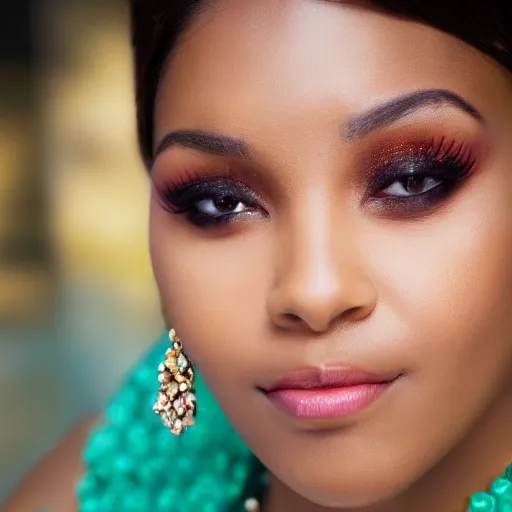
450	283
213	292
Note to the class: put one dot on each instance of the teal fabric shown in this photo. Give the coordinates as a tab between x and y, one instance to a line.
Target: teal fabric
134	464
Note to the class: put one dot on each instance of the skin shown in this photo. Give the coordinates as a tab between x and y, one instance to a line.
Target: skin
315	274
51	483
318	273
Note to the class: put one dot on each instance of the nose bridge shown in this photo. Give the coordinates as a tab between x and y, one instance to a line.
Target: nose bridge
320	275
311	263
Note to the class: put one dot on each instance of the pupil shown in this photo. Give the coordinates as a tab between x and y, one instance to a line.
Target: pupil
225	203
414	184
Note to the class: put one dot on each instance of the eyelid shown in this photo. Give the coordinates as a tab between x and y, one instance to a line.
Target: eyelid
446	160
225	185
181	198
400	168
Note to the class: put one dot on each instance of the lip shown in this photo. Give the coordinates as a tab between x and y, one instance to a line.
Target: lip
332	391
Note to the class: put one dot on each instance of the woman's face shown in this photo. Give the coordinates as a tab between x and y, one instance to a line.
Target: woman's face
345	208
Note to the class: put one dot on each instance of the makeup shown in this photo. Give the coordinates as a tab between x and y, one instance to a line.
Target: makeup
329	392
404	176
208	201
411	173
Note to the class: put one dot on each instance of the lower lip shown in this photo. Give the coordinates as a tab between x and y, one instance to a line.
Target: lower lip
326	403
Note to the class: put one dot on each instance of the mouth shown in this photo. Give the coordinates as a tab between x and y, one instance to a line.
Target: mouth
332	391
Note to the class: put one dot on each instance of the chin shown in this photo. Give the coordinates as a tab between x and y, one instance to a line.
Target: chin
336	493
339	500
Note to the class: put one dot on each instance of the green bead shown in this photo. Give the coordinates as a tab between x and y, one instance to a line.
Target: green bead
103	469
168	499
482	502
231	490
239	472
221	461
90	505
505	505
508	472
137	500
148	472
146	377
500	486
86	487
102	443
118	414
211	506
109	502
185	465
137	439
124	463
505	500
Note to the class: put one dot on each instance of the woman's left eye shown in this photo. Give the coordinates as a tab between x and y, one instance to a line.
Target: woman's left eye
420	182
410	186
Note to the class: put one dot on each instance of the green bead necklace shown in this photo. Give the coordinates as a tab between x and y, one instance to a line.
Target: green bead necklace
499	497
135	465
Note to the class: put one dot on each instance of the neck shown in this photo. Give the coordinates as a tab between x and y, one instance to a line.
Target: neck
470	467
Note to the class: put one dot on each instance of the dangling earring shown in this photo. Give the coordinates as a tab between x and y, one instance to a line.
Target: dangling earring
176	402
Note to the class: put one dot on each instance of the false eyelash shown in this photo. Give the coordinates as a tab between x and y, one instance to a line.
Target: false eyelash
170	193
449	162
182	199
166	195
186	178
457	155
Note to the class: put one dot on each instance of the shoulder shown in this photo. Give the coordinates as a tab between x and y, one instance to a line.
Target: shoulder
51	483
51	486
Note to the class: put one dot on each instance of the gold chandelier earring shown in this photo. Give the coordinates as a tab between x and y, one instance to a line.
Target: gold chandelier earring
176	402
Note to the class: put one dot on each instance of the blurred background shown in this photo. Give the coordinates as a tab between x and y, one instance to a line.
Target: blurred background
77	298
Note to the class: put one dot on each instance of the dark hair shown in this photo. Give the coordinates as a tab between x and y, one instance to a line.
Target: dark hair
157	24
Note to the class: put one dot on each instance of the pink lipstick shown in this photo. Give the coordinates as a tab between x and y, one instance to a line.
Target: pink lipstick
332	391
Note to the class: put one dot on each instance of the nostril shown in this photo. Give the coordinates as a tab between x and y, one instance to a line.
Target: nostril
358	313
291	318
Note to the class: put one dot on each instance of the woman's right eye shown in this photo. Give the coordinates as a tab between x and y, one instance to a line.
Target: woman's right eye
210	202
219	206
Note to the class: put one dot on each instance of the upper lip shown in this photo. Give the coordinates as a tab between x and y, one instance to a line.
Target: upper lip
329	376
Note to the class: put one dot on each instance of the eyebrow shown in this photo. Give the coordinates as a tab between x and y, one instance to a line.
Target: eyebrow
205	141
226	145
400	107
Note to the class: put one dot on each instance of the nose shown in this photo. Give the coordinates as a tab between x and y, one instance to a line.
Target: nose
321	278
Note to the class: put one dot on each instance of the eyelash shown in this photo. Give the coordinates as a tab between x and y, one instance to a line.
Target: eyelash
183	199
448	163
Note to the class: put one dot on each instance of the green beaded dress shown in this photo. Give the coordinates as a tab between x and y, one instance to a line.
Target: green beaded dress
134	464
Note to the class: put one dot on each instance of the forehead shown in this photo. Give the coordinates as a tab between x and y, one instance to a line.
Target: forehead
243	60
